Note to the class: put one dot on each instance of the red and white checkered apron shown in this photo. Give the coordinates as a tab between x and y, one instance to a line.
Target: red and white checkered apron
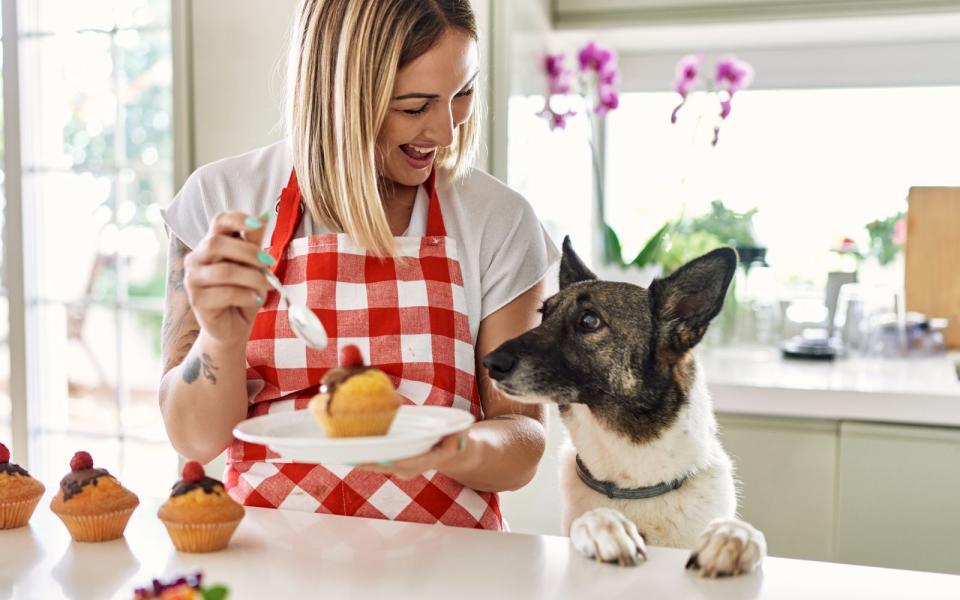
408	315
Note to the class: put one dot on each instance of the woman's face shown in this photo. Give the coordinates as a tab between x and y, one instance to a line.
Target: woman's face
432	96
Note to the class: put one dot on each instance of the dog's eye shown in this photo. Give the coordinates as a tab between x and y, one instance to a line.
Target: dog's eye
589	321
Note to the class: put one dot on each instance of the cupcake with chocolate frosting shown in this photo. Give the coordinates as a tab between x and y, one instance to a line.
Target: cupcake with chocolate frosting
199	515
19	493
92	503
355	400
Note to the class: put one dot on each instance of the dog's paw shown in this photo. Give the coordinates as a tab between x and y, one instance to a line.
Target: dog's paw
728	547
605	534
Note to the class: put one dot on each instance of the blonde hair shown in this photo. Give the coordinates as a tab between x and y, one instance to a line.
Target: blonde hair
344	58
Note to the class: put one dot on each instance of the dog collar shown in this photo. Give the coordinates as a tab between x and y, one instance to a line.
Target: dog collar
611	490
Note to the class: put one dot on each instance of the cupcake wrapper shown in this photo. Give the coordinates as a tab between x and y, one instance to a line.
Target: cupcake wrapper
18	513
201	537
97	528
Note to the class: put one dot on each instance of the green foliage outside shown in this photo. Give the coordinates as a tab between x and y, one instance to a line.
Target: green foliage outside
684	239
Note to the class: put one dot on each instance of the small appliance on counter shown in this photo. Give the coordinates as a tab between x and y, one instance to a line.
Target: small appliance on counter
812	344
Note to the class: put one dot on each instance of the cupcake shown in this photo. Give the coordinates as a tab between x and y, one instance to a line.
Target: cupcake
199	515
355	400
19	493
92	503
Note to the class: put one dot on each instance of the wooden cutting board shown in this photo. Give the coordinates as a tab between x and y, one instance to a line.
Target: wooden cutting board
932	276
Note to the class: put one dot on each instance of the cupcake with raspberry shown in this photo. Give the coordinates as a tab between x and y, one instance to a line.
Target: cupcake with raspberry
19	493
92	503
199	515
355	400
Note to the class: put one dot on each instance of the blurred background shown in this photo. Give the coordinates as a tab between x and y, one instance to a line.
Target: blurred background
650	131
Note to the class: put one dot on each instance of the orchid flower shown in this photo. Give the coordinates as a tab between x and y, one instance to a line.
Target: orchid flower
731	76
598	79
595	57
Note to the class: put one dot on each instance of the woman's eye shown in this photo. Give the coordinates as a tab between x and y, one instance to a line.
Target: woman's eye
589	321
418	111
465	93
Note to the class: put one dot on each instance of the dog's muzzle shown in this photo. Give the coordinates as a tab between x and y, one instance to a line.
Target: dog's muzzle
499	364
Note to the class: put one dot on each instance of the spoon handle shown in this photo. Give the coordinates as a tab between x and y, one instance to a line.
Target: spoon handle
272	280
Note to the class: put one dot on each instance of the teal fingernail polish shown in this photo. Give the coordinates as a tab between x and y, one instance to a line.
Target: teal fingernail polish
266	259
386	463
265	216
253	223
259	300
461	443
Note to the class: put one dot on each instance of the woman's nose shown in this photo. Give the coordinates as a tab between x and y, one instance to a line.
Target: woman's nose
441	128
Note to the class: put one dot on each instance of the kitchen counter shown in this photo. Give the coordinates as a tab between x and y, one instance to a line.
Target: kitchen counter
758	381
284	554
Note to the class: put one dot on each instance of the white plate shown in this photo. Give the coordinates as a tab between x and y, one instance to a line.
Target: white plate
298	437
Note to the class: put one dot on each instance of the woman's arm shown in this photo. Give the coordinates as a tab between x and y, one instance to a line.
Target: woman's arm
203	392
501	452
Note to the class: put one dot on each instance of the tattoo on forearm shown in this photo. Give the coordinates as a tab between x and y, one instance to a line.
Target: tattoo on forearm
175	281
174	348
178	251
193	366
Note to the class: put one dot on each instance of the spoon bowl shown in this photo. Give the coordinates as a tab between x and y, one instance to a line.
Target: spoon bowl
304	323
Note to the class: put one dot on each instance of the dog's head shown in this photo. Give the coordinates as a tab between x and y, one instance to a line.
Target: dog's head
620	349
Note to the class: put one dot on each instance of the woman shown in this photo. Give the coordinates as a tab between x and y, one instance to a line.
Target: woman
387	234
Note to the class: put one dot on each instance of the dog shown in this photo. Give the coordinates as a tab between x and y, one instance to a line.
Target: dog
645	465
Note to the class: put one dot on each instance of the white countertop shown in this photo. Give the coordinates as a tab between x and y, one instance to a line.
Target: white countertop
284	554
923	390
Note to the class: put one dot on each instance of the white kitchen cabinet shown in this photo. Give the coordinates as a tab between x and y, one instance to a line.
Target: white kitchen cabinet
536	508
787	474
899	497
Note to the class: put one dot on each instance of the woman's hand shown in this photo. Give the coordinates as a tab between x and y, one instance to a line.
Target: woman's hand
450	451
223	277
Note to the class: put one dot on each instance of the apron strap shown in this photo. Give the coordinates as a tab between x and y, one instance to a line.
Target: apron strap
435	227
288	217
290	210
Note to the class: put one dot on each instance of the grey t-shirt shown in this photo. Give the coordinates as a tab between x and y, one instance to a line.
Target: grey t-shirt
503	248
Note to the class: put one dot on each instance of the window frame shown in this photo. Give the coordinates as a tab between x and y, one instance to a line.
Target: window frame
13	235
24	384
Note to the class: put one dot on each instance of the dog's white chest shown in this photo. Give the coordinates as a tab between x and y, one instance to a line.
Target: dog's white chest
689	447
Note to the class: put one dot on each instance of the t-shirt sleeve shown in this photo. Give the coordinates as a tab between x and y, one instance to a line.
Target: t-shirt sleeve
189	214
516	253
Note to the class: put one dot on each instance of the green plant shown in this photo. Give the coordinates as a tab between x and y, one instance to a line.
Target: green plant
681	248
684	239
887	237
613	250
728	226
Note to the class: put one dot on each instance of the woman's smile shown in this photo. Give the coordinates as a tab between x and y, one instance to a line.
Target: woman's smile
419	157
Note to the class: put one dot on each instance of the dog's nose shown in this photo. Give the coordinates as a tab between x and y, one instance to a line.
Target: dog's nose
499	364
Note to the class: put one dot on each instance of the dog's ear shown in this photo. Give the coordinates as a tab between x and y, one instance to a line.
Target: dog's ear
687	300
572	269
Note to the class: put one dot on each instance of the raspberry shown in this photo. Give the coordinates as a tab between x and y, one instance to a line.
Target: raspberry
80	461
350	356
4	454
193	471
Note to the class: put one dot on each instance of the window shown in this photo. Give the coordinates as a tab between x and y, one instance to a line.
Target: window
819	164
96	116
845	115
552	170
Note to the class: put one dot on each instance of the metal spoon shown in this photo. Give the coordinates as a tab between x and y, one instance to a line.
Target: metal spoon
303	322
